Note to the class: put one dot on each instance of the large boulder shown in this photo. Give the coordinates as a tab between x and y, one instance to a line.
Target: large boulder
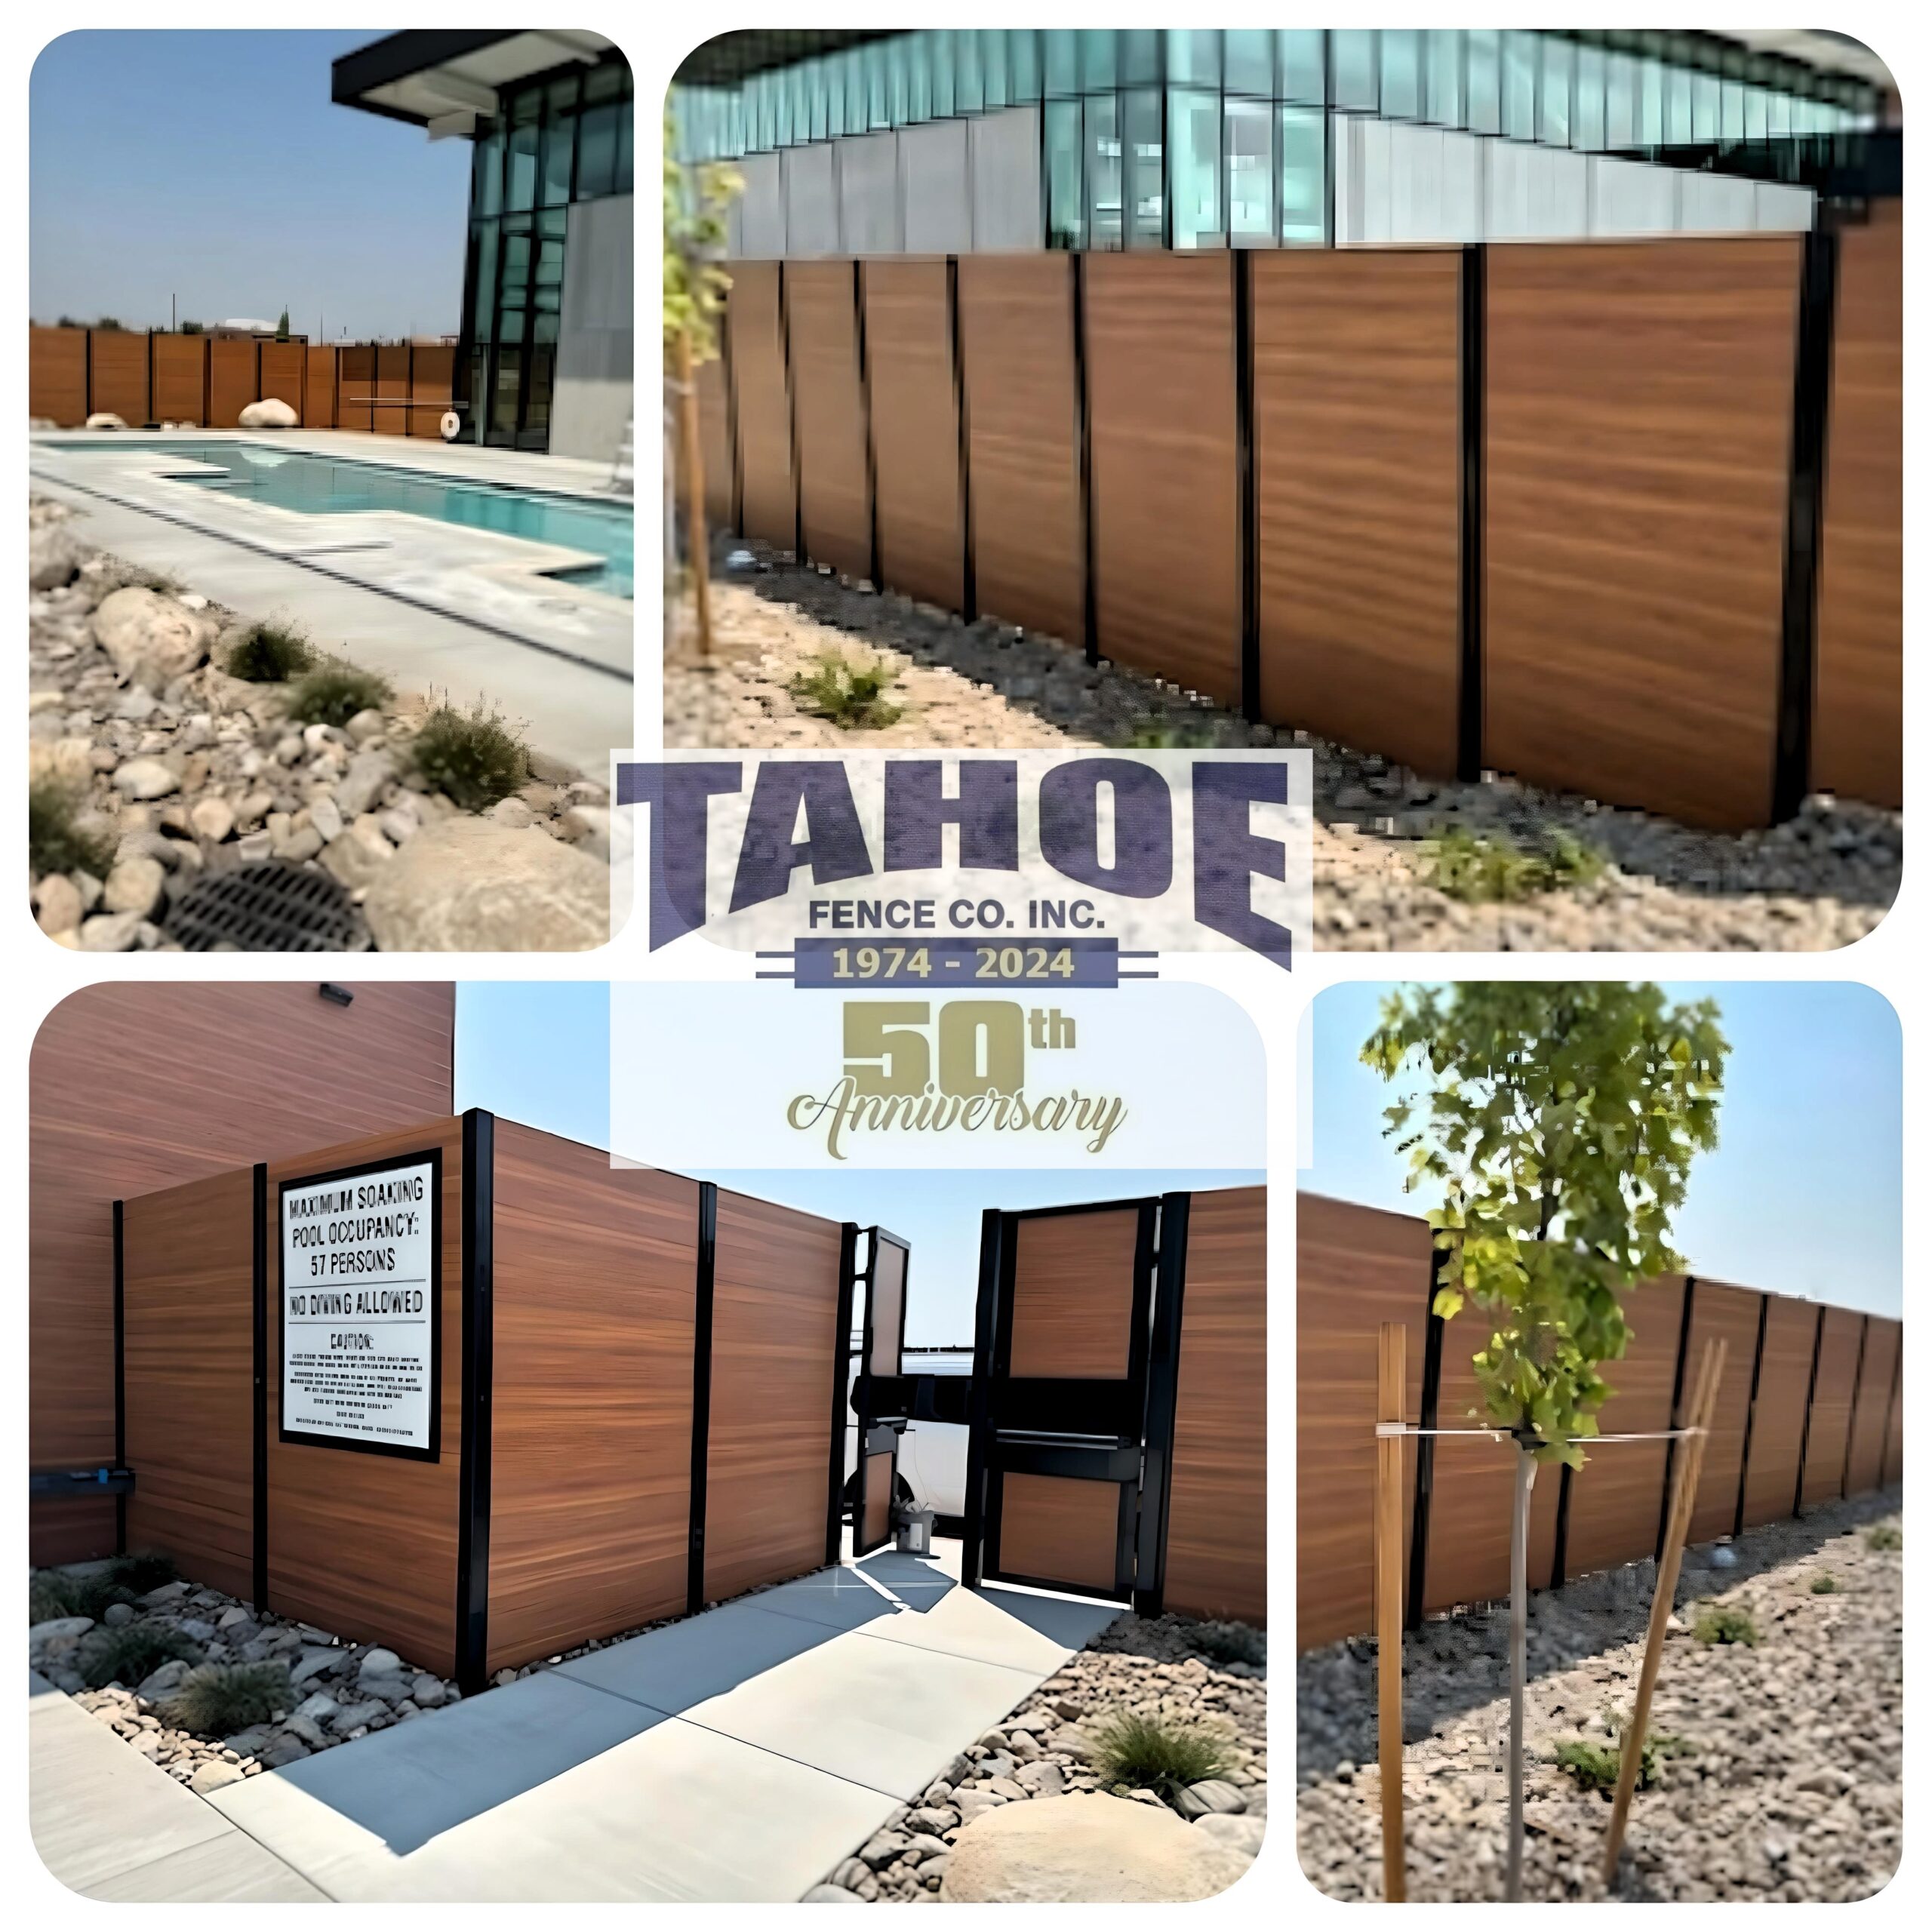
271	413
152	639
105	419
1090	1850
467	885
53	557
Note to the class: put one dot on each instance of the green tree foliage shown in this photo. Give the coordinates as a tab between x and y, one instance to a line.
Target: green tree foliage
1560	1119
281	327
694	281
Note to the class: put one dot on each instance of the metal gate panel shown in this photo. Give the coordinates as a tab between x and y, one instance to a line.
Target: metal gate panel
887	1260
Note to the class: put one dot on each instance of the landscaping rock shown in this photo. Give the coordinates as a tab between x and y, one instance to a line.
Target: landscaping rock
1212	1794
152	639
104	419
470	886
142	779
212	1774
135	885
53	557
831	1895
1088	1849
271	413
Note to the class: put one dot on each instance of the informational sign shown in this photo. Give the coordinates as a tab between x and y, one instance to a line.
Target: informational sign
361	1335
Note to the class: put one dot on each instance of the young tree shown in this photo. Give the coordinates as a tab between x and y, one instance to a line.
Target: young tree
281	327
1560	1119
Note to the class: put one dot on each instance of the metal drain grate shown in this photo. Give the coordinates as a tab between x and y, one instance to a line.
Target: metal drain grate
267	907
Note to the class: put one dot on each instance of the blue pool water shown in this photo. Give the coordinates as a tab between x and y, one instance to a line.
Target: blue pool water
296	480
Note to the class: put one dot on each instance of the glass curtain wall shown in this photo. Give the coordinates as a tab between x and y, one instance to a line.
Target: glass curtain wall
1211	138
563	137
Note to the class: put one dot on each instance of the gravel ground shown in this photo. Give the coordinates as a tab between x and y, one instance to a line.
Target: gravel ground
1160	1667
1789	1788
1821	880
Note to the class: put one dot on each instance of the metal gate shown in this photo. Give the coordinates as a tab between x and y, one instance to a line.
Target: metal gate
888	1258
1076	1351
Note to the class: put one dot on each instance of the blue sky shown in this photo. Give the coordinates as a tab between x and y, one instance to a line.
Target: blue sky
1804	1192
539	1053
213	165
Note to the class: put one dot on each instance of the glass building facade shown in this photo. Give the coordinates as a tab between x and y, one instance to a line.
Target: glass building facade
562	137
1214	137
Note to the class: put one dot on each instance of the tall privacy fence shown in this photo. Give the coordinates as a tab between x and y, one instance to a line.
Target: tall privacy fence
206	381
1808	1409
1621	519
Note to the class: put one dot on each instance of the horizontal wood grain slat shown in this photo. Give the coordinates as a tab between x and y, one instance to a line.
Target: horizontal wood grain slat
761	397
1073	1295
181	377
1777	1422
282	367
1161	382
714	424
57	376
1217	1509
118	381
1016	331
1638	402
231	379
1720	1312
1829	1434
1060	1527
1358	467
915	430
834	496
595	1274
1865	1458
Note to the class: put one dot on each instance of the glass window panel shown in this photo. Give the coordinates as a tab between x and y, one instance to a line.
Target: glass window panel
1139	56
783	99
1098	65
919	90
1352	49
1194	58
1101	126
543	325
1484	81
1556	107
992	67
522	187
1194	140
1650	104
1066	224
969	87
1519	86
549	262
1587	129
559	139
1145	185
1023	65
505	392
626	156
1707	104
1778	117
1443	57
604	82
486	190
554	223
1250	147
510	322
1063	60
1757	123
1304	189
597	151
1401	73
946	73
898	81
483	308
1303	77
1250	57
877	84
1678	125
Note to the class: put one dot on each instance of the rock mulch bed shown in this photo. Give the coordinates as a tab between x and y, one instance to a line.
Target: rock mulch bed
1154	1667
339	1691
1821	880
180	771
1784	1781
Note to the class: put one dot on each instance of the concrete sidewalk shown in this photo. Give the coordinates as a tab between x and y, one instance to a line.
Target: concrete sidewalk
736	1756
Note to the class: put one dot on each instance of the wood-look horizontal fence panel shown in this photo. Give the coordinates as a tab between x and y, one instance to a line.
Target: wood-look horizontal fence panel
392	389
431	388
1066	1527
1358	476
915	409
1073	1279
1354	1268
1720	1313
188	1278
773	1333
595	1295
762	404
118	374
1857	749
281	373
828	414
232	372
1639	405
1871	1407
365	1545
1160	375
714	420
1828	1432
1017	358
355	386
181	379
1894	1470
1217	1509
57	376
1777	1411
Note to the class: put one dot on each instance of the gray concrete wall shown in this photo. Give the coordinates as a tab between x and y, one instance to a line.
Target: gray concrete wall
757	229
868	194
1007	212
811	200
939	199
593	399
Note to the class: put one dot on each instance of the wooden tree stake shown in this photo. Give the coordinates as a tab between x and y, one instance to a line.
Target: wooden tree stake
1391	1366
697	538
1683	1500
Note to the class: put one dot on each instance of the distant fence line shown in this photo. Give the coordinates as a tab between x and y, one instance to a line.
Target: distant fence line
1619	519
1809	1409
206	381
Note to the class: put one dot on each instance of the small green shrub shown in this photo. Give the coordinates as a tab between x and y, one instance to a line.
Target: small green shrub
270	654
52	1593
852	696
1594	1766
1151	1754
142	1570
1231	1643
333	693
1885	1536
217	1700
472	757
127	1653
1480	869
1153	734
1723	1623
1826	1585
56	842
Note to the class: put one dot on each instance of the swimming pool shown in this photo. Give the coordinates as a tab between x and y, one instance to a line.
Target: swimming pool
324	485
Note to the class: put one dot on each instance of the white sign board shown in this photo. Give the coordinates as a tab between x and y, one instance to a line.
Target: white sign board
359	1326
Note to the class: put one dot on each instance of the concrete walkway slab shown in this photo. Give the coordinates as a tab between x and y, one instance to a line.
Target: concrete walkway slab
684	1664
842	1600
1035	1634
883	1714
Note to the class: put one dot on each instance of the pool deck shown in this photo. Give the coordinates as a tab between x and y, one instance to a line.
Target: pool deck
436	606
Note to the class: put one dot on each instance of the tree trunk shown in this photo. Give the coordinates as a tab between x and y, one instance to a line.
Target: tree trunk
697	539
1519	1623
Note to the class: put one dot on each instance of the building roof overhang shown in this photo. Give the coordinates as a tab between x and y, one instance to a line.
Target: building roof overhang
446	79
